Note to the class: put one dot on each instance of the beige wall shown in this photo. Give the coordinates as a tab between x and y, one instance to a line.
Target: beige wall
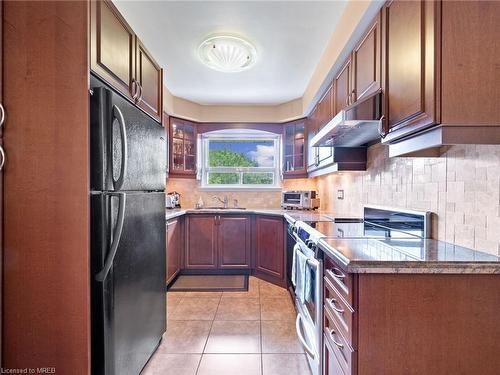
462	188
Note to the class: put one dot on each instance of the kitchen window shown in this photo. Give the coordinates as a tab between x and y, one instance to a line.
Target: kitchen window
240	159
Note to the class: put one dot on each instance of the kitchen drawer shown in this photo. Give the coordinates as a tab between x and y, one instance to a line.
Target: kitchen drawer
331	364
342	281
340	310
341	348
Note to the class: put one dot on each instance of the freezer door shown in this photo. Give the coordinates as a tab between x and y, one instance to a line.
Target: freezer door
128	148
128	301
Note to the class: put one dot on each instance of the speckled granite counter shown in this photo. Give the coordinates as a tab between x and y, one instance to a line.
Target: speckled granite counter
408	256
290	215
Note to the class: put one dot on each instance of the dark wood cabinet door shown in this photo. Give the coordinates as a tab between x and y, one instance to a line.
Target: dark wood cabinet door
201	246
269	251
409	63
182	148
342	88
325	107
366	63
234	241
112	47
294	149
149	75
174	248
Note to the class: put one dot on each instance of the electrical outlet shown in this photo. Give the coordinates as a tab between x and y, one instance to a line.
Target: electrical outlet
340	194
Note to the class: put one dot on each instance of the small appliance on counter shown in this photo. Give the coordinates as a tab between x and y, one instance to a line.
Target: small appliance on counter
300	200
173	200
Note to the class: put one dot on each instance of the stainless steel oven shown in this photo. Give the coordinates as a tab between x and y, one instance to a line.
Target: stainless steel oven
309	313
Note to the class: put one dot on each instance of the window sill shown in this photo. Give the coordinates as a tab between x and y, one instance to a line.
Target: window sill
237	189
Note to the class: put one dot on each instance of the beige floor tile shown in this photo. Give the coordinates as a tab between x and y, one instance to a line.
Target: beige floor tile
175	295
238	309
285	364
175	364
253	290
195	309
172	304
230	364
276	308
271	290
234	337
279	336
189	336
202	294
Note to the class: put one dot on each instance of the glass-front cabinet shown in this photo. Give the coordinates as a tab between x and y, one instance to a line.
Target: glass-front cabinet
183	148
294	148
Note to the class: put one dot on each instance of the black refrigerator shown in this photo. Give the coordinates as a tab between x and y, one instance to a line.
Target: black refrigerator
127	197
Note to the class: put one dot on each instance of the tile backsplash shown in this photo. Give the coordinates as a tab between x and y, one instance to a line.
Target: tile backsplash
190	191
461	188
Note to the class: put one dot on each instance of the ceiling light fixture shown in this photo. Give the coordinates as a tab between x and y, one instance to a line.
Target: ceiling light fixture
227	53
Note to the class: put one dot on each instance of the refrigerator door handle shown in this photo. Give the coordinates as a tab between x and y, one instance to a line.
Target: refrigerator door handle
101	276
117	114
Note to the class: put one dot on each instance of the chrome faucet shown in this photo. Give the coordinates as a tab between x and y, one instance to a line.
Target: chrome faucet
224	201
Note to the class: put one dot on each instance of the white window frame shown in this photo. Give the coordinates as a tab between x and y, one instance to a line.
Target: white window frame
240	134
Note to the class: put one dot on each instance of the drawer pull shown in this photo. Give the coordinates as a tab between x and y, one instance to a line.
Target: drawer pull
339	345
337	273
331	302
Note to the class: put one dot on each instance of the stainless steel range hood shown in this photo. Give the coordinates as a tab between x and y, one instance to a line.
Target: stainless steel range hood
355	125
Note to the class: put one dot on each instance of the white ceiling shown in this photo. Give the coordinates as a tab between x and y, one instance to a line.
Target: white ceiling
290	37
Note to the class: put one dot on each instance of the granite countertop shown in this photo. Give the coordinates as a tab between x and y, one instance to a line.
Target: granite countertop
408	256
290	215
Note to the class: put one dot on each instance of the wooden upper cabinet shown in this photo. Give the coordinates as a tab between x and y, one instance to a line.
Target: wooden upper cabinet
182	148
471	63
120	58
366	63
342	87
175	240
409	46
149	75
294	149
269	252
325	107
112	47
234	241
201	246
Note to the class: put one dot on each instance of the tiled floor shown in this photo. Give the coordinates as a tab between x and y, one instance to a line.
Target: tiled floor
230	333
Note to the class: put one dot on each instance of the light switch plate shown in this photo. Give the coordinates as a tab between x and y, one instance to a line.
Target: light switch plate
340	194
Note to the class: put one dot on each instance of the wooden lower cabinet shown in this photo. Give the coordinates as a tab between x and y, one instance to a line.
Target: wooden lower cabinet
234	242
410	323
201	245
269	247
218	242
175	240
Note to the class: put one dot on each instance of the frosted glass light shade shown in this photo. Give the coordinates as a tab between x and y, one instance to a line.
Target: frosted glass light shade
227	53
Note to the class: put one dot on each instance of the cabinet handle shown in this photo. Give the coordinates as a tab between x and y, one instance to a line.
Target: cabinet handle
2	155
331	302
336	273
351	96
2	115
135	89
139	99
381	127
332	332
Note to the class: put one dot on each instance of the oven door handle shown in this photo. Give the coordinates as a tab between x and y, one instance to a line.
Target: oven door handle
301	337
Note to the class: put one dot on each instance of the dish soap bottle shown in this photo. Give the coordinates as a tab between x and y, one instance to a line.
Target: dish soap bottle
199	203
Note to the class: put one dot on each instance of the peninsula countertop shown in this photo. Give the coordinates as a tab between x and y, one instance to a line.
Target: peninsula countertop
408	256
